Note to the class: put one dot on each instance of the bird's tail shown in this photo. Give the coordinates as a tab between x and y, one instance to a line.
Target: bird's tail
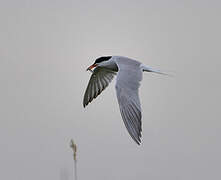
149	69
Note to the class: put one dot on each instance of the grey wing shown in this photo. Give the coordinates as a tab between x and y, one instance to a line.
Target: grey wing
127	85
99	80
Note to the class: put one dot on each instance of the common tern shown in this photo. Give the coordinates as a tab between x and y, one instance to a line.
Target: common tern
129	74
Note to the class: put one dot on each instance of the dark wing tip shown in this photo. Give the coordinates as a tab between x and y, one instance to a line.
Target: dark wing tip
85	103
138	141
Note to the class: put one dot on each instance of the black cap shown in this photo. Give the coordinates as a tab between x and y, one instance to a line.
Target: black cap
101	59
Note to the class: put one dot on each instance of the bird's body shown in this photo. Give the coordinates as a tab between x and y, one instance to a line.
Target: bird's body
129	74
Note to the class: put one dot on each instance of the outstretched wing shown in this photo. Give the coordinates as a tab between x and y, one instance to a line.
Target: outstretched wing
127	85
99	80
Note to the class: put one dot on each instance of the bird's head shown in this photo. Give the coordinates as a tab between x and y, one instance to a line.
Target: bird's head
99	61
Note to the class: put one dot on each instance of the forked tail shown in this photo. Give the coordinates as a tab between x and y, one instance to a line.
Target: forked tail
149	69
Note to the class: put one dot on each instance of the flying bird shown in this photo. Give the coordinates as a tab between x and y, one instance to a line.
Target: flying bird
129	73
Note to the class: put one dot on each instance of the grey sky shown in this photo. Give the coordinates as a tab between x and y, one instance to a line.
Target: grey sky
45	47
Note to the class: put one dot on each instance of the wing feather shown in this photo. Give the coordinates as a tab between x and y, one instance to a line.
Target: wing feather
99	80
127	86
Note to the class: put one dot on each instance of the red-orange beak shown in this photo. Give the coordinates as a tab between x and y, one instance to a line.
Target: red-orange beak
91	67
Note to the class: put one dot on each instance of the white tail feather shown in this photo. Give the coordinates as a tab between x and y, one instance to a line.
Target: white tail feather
149	69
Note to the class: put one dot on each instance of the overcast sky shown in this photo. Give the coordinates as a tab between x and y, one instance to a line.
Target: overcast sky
45	48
